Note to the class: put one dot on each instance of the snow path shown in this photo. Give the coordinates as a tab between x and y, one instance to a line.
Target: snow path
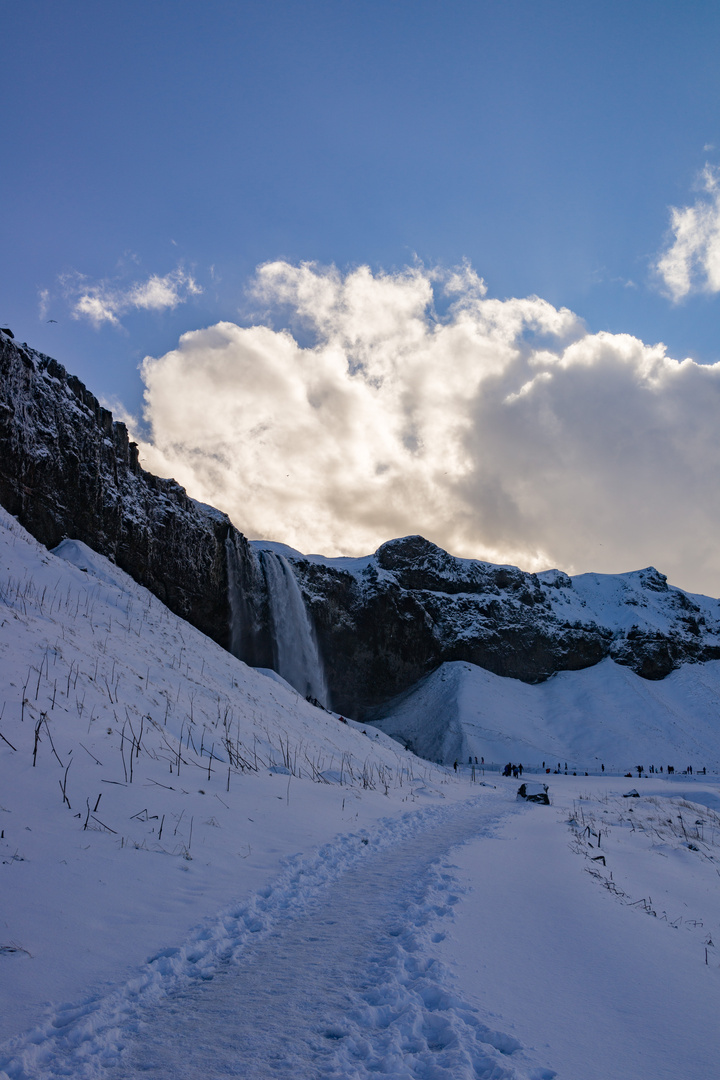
597	986
346	989
325	973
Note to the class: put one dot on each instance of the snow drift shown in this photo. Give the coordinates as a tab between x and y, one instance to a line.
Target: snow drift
604	715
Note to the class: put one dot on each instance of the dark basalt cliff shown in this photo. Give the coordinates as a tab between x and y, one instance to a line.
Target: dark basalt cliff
68	470
385	622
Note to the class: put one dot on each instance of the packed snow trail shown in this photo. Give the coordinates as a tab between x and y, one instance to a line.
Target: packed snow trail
326	972
602	966
345	989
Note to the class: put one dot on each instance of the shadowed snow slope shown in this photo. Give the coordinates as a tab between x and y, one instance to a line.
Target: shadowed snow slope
183	840
147	777
602	715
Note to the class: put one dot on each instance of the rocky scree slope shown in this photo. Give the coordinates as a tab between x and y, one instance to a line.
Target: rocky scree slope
68	470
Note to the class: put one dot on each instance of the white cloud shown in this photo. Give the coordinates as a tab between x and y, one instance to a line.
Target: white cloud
162	292
97	306
106	300
692	261
43	303
500	429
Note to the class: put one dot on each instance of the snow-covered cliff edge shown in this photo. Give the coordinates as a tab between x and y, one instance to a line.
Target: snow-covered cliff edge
68	470
386	621
382	622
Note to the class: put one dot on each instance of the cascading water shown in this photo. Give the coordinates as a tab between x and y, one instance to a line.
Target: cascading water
235	599
295	649
250	637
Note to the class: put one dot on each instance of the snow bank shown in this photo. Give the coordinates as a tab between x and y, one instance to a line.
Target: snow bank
602	715
584	929
140	782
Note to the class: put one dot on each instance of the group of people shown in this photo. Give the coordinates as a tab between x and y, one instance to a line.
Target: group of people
513	770
516	771
670	770
481	763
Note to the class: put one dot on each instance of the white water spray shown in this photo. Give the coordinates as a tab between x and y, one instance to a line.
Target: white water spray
296	653
234	598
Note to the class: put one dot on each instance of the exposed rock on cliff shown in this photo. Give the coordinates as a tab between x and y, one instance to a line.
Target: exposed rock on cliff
68	470
383	622
386	621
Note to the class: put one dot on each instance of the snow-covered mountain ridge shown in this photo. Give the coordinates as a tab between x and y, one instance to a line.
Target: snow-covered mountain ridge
383	622
411	607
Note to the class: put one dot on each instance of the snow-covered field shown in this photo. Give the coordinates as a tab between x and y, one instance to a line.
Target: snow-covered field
603	715
593	952
201	875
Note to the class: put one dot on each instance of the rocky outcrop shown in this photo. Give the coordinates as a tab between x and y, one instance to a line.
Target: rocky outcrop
385	622
68	470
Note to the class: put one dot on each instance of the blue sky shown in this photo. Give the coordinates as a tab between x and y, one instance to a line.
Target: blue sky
544	142
156	154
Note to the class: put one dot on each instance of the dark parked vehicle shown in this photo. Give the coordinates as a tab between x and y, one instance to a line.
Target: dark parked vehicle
533	792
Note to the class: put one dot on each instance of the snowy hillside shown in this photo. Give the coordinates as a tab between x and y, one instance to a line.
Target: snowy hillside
604	715
203	875
146	775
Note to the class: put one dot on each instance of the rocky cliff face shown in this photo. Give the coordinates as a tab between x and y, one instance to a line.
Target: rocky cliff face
386	621
383	622
68	470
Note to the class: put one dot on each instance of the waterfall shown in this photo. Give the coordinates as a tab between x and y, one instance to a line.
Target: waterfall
235	599
295	650
250	635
